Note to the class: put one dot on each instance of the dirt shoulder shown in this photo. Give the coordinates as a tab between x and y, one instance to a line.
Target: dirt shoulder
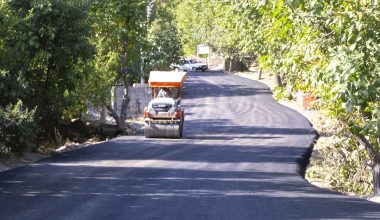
14	161
18	161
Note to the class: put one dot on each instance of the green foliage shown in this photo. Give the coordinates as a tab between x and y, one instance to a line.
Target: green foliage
194	23
45	46
126	30
56	56
281	93
18	131
219	24
118	35
163	40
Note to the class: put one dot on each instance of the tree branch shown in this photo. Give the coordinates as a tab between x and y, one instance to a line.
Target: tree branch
114	115
371	150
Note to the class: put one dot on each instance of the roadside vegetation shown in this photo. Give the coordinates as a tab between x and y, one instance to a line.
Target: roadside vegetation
57	56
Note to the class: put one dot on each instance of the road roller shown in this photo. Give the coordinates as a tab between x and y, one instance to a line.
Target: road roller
164	116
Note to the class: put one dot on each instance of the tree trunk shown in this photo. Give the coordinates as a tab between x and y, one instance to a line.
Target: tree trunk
376	177
376	165
123	111
120	120
277	80
142	80
230	67
124	76
114	115
260	73
103	115
375	155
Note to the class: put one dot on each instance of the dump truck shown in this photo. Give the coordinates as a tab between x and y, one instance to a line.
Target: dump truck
164	116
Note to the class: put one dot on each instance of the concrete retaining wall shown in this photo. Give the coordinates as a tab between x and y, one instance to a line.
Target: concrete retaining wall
140	96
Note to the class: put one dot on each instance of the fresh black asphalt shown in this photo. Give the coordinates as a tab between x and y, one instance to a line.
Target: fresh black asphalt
238	160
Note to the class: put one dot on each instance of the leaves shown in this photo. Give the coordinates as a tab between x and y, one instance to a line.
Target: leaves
163	40
43	45
18	130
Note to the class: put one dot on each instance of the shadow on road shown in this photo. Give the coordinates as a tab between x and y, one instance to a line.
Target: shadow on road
225	127
218	192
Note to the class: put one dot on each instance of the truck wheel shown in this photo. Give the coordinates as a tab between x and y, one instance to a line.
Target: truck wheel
194	69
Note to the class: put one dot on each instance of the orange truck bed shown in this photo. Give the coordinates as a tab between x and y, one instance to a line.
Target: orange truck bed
166	79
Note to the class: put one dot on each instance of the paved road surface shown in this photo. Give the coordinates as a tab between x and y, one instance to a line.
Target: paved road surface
237	161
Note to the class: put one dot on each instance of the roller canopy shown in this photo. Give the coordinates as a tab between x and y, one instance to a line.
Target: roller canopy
167	79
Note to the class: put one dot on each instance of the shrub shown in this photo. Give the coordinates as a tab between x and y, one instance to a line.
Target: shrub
344	166
280	93
18	131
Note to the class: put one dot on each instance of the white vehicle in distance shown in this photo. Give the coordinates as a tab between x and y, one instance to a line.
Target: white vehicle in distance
190	65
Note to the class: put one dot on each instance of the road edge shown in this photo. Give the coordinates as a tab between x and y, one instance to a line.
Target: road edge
304	160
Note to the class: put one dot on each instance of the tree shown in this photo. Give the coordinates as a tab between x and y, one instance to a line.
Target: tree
118	36
44	43
194	24
218	24
163	39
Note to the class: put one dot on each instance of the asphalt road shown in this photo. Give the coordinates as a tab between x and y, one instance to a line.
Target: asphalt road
237	161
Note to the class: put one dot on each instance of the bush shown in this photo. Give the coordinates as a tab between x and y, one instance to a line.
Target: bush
345	166
280	93
18	131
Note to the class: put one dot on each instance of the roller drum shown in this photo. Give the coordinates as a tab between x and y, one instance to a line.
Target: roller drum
162	130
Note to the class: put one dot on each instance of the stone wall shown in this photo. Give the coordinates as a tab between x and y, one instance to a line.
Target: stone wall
140	95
